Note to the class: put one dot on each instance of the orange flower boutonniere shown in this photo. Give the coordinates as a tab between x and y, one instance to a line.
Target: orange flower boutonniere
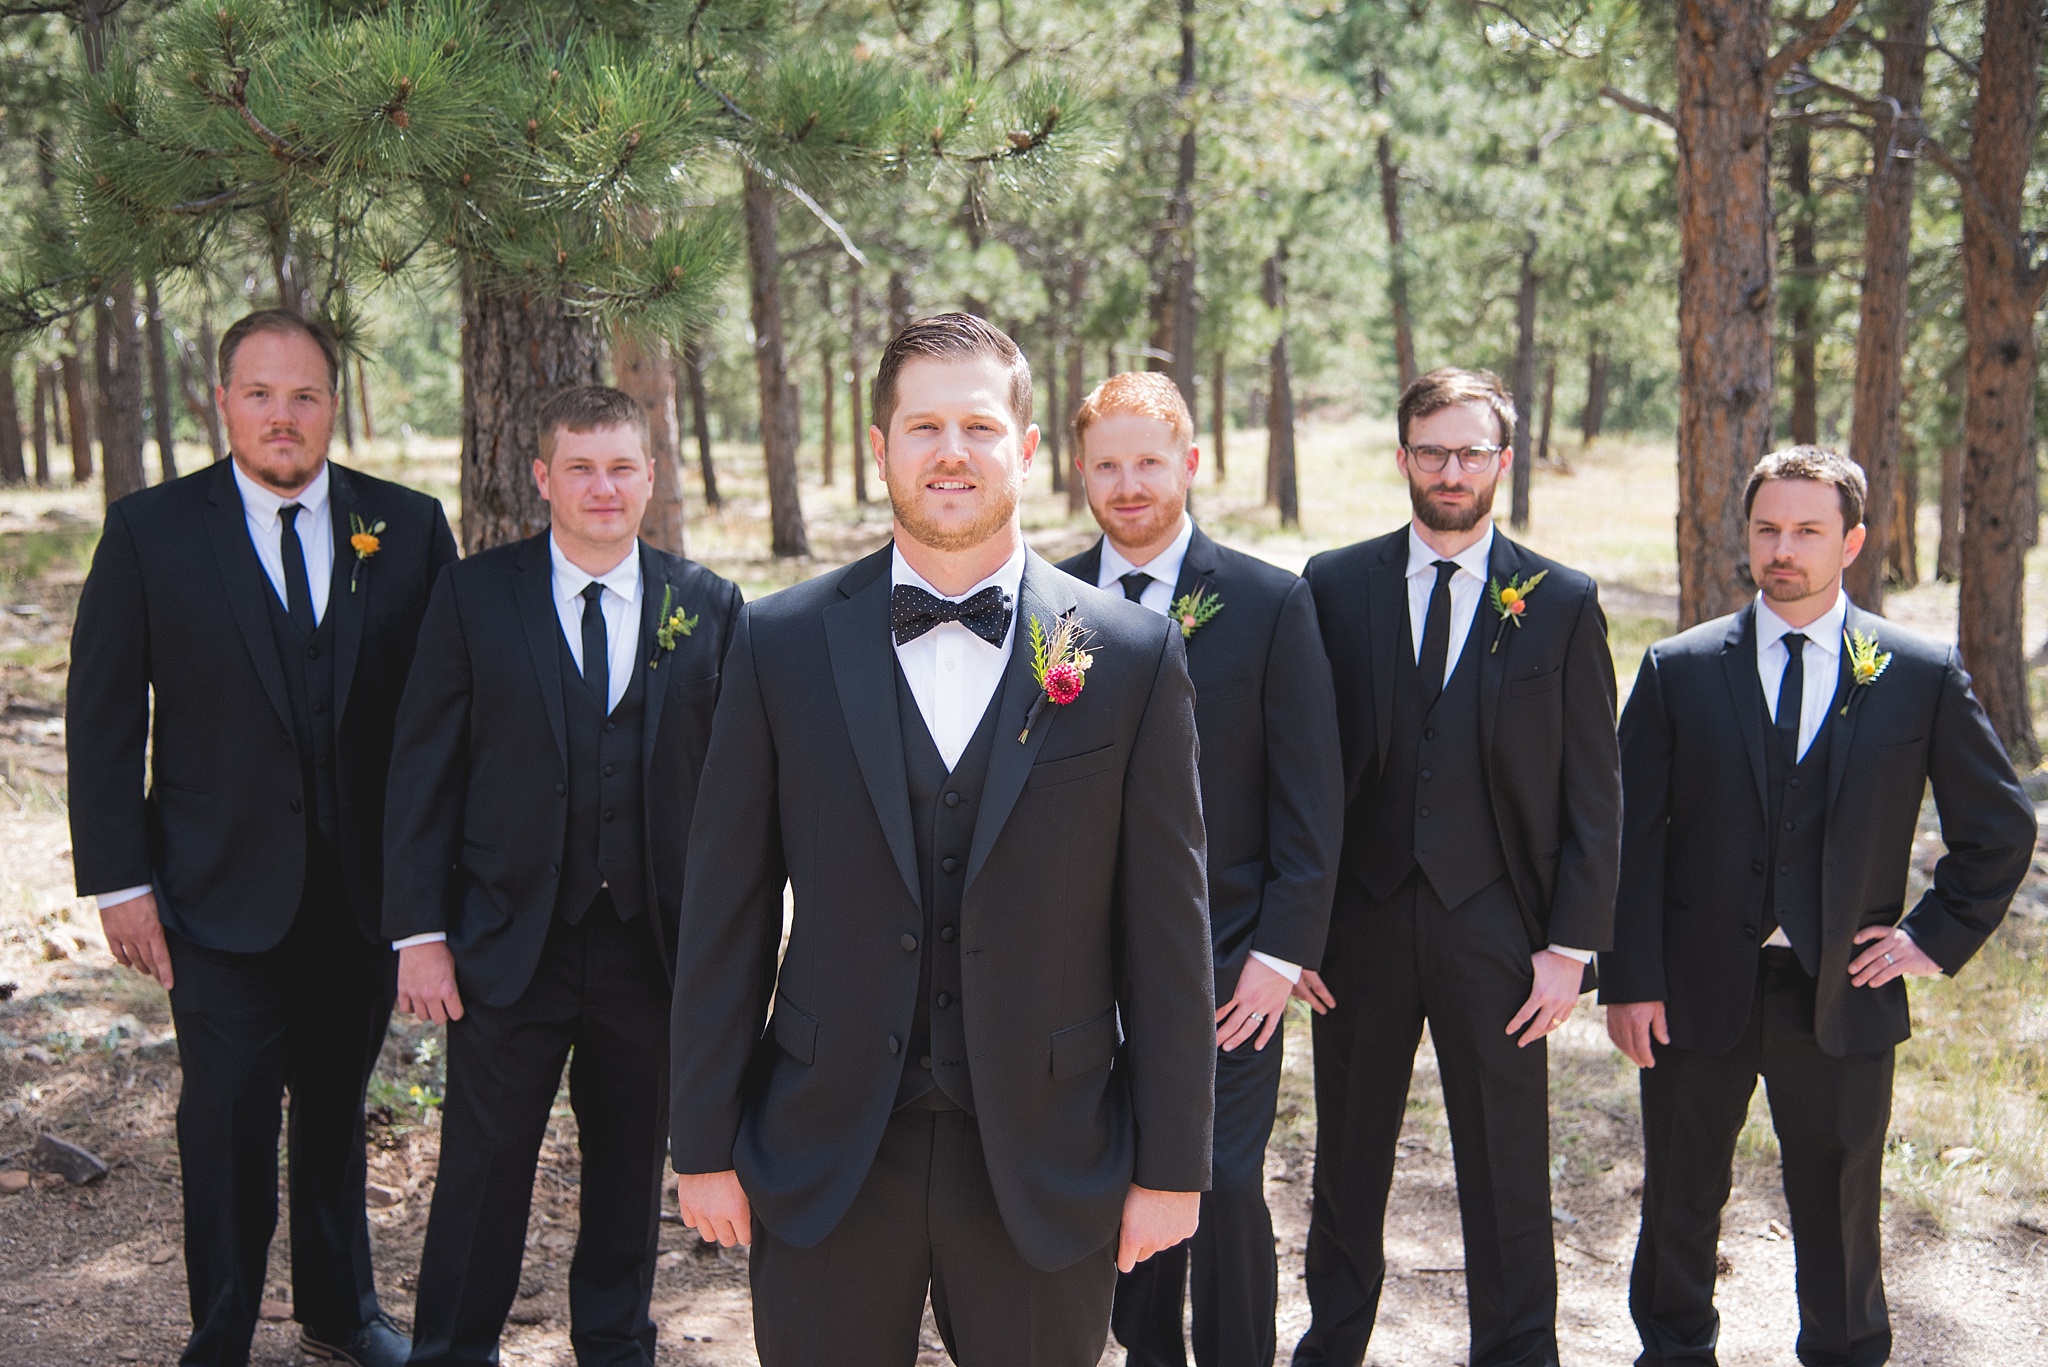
365	539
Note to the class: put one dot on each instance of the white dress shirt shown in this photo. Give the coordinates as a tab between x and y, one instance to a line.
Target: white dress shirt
1468	588
266	534
953	673
1820	663
1165	571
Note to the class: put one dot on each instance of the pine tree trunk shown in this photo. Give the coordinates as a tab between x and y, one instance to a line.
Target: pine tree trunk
363	400
1051	439
12	471
779	423
1219	400
209	366
1595	416
164	416
77	422
1077	375
117	366
828	383
1948	551
1397	262
691	374
856	366
1725	287
1874	429
39	422
641	367
901	306
1282	482
1525	386
1183	341
1800	290
347	407
516	348
1999	302
1904	545
1549	408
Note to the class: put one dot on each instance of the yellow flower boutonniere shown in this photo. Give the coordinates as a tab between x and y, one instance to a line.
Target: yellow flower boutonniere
1866	662
669	624
1193	610
1510	601
365	539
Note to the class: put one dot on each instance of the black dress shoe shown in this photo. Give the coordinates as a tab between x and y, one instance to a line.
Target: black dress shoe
376	1344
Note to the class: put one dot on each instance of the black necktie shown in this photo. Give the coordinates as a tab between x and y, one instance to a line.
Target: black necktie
1791	692
1135	583
1436	632
597	656
298	590
913	612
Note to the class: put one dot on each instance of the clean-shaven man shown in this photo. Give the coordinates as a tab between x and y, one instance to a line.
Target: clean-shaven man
983	1067
267	607
1475	698
549	749
1773	764
1272	801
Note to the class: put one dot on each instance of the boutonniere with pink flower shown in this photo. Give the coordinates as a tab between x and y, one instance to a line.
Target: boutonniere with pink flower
1193	610
1510	601
1060	662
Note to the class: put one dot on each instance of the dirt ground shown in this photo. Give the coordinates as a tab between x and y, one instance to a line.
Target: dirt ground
93	1273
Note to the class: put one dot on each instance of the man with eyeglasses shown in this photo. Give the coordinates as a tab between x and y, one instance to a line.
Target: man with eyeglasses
1482	836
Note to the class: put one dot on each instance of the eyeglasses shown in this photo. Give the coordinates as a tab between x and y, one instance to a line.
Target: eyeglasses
1432	459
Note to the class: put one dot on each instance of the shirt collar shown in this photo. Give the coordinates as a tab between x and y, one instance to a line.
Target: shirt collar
262	503
622	578
1473	559
1824	631
1009	578
1165	566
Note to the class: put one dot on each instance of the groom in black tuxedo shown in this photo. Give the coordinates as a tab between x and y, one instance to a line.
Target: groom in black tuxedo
1272	800
1774	762
268	607
1475	698
549	747
987	1074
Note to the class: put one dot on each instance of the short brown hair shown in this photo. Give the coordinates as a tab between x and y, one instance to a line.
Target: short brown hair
280	320
1822	465
588	408
951	337
1450	386
1137	393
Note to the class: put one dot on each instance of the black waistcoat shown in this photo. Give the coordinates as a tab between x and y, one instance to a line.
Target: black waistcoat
308	663
1799	810
942	811
1430	808
606	840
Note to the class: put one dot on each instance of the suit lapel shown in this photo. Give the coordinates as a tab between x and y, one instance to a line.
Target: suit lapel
1044	595
245	583
654	577
1848	700
1503	563
863	659
1387	630
1088	564
349	588
1746	697
1196	567
535	590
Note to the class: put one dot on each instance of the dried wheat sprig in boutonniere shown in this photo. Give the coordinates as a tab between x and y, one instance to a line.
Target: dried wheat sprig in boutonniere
1866	663
1060	662
1193	610
669	623
365	539
1510	601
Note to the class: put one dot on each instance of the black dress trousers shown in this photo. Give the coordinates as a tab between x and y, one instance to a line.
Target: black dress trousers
1830	1115
599	993
307	1018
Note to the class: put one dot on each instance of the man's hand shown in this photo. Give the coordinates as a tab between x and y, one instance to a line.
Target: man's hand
1632	1025
714	1205
137	938
1892	954
1256	1008
426	983
1311	990
1552	998
1155	1220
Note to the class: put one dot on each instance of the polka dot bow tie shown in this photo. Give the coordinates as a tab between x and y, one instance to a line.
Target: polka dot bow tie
913	612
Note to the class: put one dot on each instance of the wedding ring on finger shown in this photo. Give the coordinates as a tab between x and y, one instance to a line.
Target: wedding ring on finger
1887	958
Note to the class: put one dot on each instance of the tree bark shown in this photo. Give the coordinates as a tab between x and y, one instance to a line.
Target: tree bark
1052	440
39	421
641	367
1948	551
1903	551
363	400
1219	400
209	366
347	396
1173	240
1802	287
12	470
856	365
1725	289
2000	297
901	306
1595	416
1282	482
690	371
1881	332
779	420
164	417
1525	385
516	348
1077	376
77	419
828	383
117	367
1397	262
1549	408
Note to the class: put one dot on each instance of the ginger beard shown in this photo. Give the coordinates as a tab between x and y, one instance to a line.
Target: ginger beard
997	494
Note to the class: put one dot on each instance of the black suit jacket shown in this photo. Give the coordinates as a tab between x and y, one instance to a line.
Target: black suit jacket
174	607
1083	908
1695	851
1272	785
1546	718
479	805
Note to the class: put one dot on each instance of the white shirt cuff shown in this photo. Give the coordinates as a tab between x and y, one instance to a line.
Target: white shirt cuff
1583	956
114	899
1291	972
432	937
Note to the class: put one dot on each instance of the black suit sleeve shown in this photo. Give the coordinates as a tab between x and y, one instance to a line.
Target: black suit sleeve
731	927
1169	995
425	801
443	552
1987	824
1633	971
1589	790
107	718
1304	787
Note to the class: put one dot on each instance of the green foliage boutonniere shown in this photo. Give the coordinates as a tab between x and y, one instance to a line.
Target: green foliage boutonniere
365	539
1510	601
1193	610
1060	662
669	624
1866	662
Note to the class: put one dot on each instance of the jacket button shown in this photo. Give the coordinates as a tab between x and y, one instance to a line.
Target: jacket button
297	806
1756	866
1429	735
952	799
946	934
1788	825
608	814
909	943
1792	782
312	652
611	726
1423	812
895	1045
1749	932
1426	776
561	788
554	869
319	709
1784	870
608	770
949	864
925	1062
944	1001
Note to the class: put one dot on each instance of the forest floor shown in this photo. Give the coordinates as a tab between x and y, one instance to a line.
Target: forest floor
92	1273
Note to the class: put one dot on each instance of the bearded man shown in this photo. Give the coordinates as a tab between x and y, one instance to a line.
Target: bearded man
1475	708
989	1068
